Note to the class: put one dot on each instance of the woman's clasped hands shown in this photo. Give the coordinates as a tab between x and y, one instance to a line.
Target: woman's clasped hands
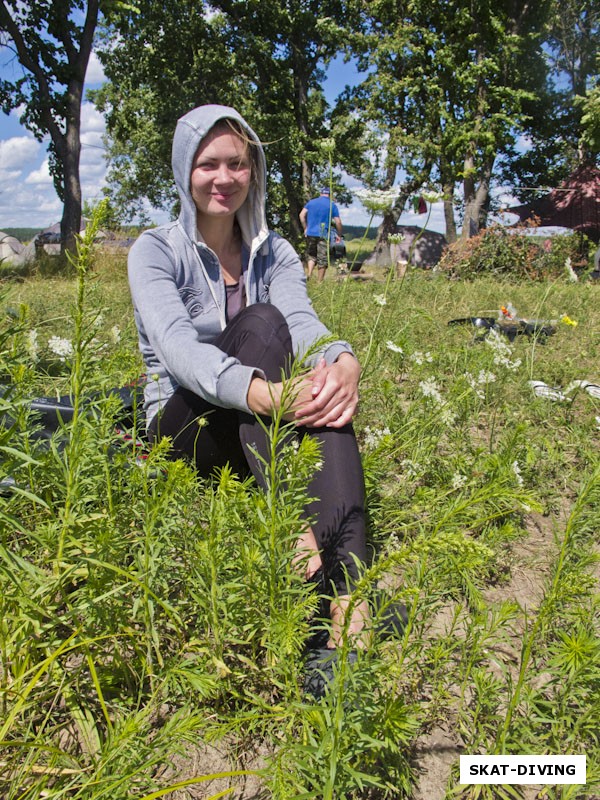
326	396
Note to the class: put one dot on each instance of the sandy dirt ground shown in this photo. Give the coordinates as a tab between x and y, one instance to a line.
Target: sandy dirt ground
438	751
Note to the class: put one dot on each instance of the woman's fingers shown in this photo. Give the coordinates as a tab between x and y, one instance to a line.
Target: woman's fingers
334	405
319	376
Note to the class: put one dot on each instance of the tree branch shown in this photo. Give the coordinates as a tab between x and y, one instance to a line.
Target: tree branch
8	23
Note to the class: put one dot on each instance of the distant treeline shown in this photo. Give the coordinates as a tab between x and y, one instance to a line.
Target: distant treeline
350	232
22	234
358	231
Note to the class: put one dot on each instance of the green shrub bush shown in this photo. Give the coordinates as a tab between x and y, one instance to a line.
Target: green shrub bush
515	253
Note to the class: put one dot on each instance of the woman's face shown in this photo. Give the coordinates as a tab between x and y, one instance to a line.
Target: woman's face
221	172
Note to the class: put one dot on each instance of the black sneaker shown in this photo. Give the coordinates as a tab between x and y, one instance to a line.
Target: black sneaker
320	623
319	669
390	622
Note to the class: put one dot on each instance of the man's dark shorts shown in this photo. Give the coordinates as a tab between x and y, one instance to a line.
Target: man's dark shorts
316	250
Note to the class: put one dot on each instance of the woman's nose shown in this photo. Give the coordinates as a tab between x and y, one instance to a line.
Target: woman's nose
224	173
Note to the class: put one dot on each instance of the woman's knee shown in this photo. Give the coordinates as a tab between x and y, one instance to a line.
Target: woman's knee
265	314
267	324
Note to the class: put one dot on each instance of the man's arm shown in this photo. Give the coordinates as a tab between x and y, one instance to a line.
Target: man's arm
303	215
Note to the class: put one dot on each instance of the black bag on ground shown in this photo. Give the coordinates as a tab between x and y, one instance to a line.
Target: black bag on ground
53	413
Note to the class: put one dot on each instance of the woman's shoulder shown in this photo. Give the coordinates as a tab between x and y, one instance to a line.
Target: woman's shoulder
164	242
159	234
280	245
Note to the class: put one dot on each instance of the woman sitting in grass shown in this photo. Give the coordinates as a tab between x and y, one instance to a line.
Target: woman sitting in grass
222	310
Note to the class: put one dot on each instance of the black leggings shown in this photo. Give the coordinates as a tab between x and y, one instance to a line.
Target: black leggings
259	337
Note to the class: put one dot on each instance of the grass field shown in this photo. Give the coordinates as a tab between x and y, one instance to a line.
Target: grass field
152	628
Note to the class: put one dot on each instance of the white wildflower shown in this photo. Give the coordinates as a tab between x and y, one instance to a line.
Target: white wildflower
511	366
115	334
377	200
485	377
395	348
420	358
396	238
373	436
497	343
31	343
458	480
380	299
429	388
502	351
517	470
571	274
411	468
63	348
447	416
432	196
475	385
98	322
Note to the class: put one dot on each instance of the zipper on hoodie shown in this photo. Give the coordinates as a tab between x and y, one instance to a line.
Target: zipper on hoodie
255	247
220	306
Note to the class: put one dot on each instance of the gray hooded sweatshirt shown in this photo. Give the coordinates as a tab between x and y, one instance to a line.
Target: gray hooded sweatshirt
179	294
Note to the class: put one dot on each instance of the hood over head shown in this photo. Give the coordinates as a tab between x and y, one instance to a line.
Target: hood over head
190	131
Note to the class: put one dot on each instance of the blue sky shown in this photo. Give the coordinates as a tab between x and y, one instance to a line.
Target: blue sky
28	198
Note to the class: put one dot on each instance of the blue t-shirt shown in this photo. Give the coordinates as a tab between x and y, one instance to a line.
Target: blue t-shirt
320	212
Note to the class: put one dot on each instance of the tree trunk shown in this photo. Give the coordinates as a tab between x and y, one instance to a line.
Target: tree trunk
451	235
381	252
70	224
476	197
295	207
300	112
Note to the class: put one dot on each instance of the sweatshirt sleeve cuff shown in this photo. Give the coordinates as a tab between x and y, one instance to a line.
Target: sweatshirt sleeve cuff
233	385
335	350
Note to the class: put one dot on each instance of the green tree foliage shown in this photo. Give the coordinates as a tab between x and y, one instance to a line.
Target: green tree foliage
590	119
160	60
266	60
560	118
448	84
52	41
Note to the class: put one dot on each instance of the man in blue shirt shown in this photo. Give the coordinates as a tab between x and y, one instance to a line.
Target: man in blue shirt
318	217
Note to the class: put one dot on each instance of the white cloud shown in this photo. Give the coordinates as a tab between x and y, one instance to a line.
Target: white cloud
91	169
17	151
524	143
91	119
8	176
41	175
95	71
92	139
28	197
22	207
